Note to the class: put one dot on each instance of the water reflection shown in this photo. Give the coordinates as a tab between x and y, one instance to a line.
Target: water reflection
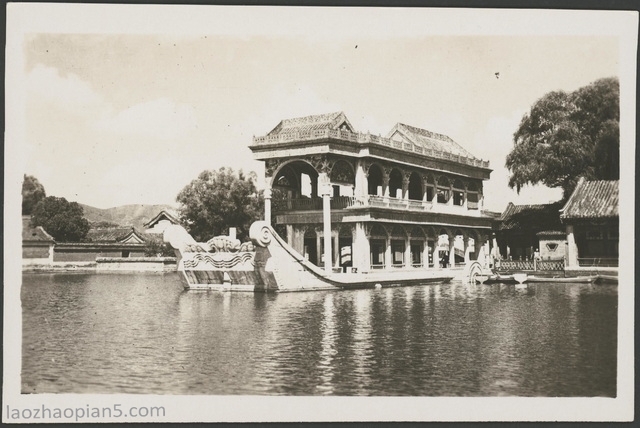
145	334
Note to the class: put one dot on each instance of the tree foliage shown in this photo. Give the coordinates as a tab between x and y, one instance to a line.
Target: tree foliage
62	219
569	135
32	193
217	200
157	248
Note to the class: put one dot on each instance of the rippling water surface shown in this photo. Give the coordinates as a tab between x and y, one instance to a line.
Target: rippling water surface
142	333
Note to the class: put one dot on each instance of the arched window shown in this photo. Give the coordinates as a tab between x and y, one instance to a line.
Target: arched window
377	246
395	184
431	188
458	193
443	190
342	173
375	180
415	187
473	196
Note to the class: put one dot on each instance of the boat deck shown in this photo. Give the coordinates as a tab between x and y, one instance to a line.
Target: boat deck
389	279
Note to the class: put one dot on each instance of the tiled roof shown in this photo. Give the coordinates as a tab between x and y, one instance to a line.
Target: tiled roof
34	233
531	217
112	234
312	123
593	199
494	215
430	140
171	215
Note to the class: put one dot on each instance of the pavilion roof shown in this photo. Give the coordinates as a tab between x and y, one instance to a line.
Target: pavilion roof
34	233
115	235
170	215
429	140
530	217
592	199
336	120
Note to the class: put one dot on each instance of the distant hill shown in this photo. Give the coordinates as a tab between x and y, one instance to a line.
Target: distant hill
126	215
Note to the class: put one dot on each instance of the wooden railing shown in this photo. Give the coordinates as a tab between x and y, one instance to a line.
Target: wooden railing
516	265
358	137
531	265
549	264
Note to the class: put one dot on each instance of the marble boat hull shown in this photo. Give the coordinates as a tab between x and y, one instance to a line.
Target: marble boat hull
273	266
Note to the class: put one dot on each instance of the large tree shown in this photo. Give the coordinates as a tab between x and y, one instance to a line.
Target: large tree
62	219
566	136
32	193
217	200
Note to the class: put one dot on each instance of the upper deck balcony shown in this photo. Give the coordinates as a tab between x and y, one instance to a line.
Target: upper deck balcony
468	208
360	139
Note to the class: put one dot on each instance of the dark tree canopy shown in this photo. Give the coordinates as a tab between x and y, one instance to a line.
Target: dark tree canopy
217	200
155	247
62	219
566	136
32	193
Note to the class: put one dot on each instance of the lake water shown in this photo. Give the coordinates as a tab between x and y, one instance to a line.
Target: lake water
143	333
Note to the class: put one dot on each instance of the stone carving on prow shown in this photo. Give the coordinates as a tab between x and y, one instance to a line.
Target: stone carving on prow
224	244
260	233
177	236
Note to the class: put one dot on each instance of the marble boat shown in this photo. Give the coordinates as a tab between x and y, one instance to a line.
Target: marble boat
268	263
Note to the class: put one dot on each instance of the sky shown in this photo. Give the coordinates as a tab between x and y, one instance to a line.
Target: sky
114	118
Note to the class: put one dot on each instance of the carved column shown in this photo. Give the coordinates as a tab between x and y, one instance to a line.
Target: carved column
360	249
572	247
407	253
267	203
467	249
326	190
362	181
270	167
464	195
388	262
452	251
426	252
291	239
425	184
385	183
405	185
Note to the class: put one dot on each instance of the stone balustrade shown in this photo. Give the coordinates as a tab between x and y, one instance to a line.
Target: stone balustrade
350	202
362	138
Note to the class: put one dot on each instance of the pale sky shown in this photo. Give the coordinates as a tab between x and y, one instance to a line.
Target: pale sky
113	119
